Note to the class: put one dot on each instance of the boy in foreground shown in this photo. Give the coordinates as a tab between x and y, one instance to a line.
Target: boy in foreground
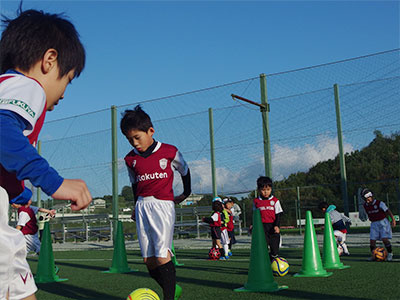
151	166
40	55
377	212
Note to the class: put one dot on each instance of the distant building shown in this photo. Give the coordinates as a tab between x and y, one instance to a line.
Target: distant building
98	203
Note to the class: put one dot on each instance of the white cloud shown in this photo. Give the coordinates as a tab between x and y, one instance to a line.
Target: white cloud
286	160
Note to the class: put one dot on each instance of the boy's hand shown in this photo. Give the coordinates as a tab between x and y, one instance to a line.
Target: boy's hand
179	199
276	229
52	213
393	222
76	191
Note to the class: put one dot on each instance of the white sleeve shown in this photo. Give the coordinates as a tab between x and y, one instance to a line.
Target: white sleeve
383	206
25	97
278	207
214	217
180	164
23	218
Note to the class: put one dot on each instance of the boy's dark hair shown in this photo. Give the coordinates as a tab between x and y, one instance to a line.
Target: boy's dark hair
322	205
217	206
135	119
264	181
28	36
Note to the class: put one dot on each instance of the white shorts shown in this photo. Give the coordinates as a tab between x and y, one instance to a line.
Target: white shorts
15	275
224	237
32	242
380	230
155	220
340	236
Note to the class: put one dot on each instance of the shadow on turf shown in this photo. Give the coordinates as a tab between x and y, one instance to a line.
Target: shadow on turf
74	292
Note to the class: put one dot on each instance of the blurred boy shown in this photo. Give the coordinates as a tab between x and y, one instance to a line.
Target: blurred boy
377	212
40	55
339	222
27	223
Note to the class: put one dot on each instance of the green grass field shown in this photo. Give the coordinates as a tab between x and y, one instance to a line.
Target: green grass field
203	279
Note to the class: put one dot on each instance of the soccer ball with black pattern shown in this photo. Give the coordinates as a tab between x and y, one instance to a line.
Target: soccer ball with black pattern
379	254
214	253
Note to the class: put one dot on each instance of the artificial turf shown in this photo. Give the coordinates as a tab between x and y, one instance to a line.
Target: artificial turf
204	279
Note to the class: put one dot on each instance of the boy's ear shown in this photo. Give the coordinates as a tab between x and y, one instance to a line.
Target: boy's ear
151	131
49	60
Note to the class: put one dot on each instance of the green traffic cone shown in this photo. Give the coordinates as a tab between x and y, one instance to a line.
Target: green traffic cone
46	269
312	263
173	258
120	262
330	258
260	278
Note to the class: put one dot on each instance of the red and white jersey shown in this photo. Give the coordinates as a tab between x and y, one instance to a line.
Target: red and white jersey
216	217
27	219
26	97
154	175
376	210
269	208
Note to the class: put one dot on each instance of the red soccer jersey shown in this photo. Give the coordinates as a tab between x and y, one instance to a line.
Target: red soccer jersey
269	208
154	175
216	217
31	226
26	97
375	210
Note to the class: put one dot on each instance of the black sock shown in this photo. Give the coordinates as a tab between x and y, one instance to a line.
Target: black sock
155	274
389	248
167	280
372	248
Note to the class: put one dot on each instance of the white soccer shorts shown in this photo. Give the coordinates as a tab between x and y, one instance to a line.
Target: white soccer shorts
340	236
15	275
224	237
32	242
155	220
380	230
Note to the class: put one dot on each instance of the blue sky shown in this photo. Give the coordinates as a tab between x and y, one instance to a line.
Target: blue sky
138	50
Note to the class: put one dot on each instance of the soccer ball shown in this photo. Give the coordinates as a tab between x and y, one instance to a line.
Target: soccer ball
143	294
279	266
214	253
379	254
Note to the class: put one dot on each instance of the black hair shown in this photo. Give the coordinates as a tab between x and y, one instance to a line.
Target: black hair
263	181
366	191
217	206
136	119
27	38
322	205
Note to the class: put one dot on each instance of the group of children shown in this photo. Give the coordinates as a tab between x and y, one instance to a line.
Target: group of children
271	210
222	226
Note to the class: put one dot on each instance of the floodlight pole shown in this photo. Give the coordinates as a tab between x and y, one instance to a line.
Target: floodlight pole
264	108
264	112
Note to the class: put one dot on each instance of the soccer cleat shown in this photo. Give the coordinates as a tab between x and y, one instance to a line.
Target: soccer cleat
389	257
346	253
224	258
371	258
230	253
178	292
